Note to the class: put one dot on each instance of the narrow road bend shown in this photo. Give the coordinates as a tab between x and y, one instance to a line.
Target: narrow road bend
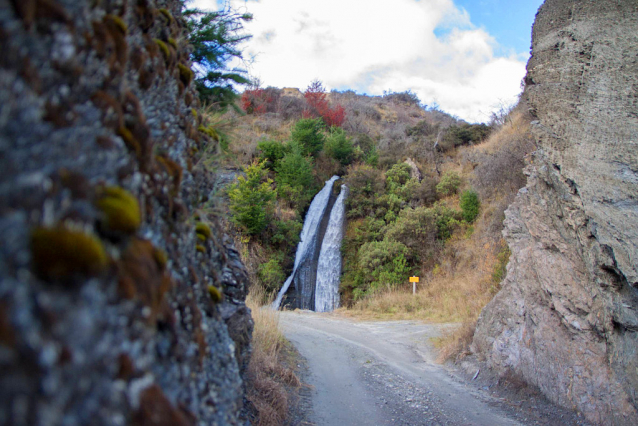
383	373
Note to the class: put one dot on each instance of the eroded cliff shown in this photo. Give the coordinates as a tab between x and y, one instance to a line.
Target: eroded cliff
566	319
121	300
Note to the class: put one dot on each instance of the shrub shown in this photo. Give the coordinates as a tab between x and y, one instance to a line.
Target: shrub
446	220
383	263
449	184
252	199
339	147
397	176
317	106
470	205
366	186
291	107
308	133
294	179
416	229
464	134
271	273
365	142
271	152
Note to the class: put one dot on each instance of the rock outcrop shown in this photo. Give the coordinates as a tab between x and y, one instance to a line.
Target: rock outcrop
566	319
121	300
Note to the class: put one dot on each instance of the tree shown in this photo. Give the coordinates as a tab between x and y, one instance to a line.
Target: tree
308	133
339	146
294	179
215	38
317	106
252	200
470	205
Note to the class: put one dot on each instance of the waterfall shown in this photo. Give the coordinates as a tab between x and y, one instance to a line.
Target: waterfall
329	264
304	270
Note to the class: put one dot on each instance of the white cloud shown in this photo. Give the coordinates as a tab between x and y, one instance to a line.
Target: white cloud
376	45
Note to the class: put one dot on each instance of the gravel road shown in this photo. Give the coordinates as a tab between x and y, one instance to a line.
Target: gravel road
383	373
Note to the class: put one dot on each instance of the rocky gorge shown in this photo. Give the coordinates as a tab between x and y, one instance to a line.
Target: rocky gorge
566	319
121	298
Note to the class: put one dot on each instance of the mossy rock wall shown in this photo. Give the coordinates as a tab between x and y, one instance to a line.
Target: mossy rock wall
112	310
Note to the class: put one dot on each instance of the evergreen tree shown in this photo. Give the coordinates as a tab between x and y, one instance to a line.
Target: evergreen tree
215	38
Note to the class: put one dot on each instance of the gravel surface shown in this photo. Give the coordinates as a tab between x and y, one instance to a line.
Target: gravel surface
383	373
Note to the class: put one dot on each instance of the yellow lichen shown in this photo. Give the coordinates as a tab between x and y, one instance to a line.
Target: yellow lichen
201	238
172	42
119	22
166	14
160	258
60	253
120	208
215	294
200	248
164	48
194	112
185	74
203	229
130	140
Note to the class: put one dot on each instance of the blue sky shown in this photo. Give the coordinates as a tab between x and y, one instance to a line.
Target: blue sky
466	56
509	21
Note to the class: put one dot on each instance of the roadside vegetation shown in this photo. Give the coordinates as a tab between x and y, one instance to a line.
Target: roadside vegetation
272	381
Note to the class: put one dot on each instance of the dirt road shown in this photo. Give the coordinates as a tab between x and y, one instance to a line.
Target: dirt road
383	373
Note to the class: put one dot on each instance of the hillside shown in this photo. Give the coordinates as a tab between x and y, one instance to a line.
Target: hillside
406	172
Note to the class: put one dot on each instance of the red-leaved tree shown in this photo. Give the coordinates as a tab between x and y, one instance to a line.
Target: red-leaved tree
317	106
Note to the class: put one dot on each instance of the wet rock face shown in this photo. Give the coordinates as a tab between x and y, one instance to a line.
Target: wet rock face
121	300
566	318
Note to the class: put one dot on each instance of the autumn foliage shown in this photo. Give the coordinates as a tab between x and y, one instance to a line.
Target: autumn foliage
255	101
260	101
318	106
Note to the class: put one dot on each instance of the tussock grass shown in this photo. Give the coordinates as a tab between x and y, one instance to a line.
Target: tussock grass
270	381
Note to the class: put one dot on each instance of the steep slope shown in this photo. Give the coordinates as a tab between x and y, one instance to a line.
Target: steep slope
566	318
113	309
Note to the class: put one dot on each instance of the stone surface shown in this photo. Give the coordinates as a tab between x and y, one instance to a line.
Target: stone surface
91	95
566	319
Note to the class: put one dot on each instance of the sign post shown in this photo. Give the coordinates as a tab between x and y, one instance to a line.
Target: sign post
414	280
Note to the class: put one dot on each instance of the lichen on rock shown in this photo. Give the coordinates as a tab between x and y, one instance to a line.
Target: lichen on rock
106	312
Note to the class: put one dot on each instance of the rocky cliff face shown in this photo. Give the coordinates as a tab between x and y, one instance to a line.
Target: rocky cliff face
121	301
566	318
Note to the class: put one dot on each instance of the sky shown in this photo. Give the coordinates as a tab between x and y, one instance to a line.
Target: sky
467	57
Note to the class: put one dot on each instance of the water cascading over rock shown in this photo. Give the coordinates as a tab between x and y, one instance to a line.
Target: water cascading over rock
305	269
329	264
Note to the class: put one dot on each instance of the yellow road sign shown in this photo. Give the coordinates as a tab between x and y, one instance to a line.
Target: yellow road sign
414	279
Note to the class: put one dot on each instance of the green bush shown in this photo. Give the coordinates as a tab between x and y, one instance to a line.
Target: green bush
464	134
271	273
383	263
295	182
366	186
470	205
252	199
308	133
397	176
271	152
286	233
446	220
449	184
416	229
339	146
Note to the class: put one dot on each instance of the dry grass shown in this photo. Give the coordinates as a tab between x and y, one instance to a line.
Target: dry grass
270	381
